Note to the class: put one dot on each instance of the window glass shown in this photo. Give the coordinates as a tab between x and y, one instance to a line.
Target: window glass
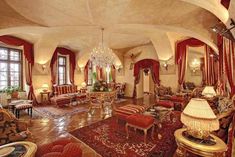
3	53
10	67
62	73
14	55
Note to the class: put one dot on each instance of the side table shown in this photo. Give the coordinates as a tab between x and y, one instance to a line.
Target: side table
185	145
31	148
47	98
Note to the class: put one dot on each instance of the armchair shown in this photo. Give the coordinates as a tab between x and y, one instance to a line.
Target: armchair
120	87
189	86
11	129
163	92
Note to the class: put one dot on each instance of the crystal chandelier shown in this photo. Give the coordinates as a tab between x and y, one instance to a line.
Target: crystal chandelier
102	55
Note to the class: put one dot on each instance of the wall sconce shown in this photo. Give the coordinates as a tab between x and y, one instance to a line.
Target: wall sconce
80	68
118	67
44	67
165	65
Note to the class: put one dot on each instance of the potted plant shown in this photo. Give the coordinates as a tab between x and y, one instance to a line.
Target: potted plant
12	91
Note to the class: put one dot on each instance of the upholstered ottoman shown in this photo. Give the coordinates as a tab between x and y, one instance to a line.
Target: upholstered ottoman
127	110
59	148
23	106
140	121
165	103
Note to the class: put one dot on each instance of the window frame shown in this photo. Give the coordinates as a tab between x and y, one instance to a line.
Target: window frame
8	62
90	74
64	66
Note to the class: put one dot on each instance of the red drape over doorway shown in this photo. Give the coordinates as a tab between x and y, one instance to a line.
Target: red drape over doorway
153	65
29	60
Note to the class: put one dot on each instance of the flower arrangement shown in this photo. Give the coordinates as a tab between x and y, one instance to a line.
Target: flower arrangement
100	86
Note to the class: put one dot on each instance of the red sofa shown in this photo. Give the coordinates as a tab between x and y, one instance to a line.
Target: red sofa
60	94
59	148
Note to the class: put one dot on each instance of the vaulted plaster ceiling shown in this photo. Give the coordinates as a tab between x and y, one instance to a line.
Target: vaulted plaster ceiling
76	23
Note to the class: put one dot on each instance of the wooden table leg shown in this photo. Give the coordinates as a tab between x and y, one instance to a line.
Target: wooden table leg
145	135
127	133
152	134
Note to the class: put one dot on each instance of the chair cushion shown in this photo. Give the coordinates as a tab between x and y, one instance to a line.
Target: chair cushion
72	150
130	109
57	148
165	103
140	120
124	111
60	148
23	106
53	154
177	98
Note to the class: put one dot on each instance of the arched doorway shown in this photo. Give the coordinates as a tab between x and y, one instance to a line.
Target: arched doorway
148	64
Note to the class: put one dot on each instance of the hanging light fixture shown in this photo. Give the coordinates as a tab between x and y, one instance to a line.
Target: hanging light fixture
102	55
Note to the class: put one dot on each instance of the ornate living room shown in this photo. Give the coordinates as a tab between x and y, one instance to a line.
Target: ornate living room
117	78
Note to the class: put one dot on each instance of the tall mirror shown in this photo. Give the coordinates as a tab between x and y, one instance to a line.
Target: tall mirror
193	74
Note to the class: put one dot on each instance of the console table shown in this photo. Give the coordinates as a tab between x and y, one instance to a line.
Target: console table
185	145
97	99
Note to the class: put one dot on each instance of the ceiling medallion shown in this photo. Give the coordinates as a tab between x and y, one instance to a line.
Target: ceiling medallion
102	55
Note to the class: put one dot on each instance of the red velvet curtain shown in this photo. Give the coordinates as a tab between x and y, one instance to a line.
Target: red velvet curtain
113	73
229	62
211	67
86	72
181	55
202	68
221	85
72	63
29	60
143	64
99	73
225	3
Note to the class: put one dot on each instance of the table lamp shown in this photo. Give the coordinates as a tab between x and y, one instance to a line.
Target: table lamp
83	84
209	92
45	87
199	119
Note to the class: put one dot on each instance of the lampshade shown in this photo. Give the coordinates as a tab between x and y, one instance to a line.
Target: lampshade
45	85
83	84
209	91
199	118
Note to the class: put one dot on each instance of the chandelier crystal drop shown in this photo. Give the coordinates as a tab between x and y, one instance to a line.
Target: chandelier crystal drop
102	55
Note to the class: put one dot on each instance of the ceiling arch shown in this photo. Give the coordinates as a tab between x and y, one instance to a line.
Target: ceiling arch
127	23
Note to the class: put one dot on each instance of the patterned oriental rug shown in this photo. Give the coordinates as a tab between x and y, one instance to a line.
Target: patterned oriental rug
108	138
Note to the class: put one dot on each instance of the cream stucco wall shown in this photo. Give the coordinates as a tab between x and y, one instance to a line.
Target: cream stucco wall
148	51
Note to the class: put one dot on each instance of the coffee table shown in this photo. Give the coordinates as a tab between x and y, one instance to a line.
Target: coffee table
159	113
22	149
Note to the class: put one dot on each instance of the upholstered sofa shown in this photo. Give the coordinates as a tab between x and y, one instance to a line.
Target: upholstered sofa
61	94
11	129
59	148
